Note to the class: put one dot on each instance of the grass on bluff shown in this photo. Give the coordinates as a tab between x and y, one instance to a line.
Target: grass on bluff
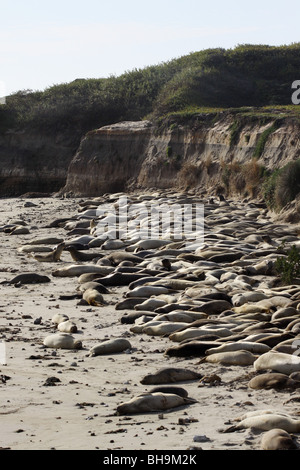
257	76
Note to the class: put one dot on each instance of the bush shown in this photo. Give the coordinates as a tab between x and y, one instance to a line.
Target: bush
269	188
288	268
288	184
214	78
260	146
189	174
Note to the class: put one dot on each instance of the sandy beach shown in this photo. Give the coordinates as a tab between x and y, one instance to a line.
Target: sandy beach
67	400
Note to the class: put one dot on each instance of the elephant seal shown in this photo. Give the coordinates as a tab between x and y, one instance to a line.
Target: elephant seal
59	318
176	284
120	279
93	285
28	278
109	347
285	312
268	421
147	291
175	390
93	297
253	347
34	249
88	277
62	341
191	349
67	326
213	307
139	327
162	328
129	303
273	380
150	402
170	375
150	304
180	316
295	376
148	244
131	317
190	333
275	339
18	230
52	257
45	241
118	257
278	439
234	358
79	256
278	362
76	270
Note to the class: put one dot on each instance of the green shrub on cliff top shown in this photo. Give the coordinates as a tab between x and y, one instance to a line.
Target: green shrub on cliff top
248	75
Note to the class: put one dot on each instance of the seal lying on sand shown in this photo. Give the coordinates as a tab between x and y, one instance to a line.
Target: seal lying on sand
28	278
79	256
278	362
191	349
239	358
150	402
110	346
273	380
52	257
278	439
265	421
93	297
170	375
62	341
77	269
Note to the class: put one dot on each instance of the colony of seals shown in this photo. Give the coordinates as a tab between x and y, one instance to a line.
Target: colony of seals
214	296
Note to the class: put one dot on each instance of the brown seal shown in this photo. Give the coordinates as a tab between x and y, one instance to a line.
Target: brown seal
274	380
278	439
170	375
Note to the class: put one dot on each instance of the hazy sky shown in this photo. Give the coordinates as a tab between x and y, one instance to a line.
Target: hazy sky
43	43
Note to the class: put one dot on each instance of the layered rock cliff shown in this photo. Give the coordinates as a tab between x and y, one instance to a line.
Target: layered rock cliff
34	161
221	153
203	153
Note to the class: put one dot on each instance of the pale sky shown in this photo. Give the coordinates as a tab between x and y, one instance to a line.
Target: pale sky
43	43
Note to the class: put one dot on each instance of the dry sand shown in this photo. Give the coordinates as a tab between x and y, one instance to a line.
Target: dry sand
78	412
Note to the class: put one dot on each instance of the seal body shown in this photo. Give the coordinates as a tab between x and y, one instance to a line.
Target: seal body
29	278
153	402
278	362
273	380
110	346
278	439
76	270
266	422
67	326
170	375
239	358
93	297
253	347
62	341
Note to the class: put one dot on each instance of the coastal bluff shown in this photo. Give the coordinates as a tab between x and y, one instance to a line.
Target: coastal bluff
217	153
202	153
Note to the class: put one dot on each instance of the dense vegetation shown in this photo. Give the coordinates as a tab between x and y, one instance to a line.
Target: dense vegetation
251	82
245	76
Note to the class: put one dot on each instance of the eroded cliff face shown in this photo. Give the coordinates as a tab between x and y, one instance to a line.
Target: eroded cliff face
35	162
208	153
138	154
108	159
